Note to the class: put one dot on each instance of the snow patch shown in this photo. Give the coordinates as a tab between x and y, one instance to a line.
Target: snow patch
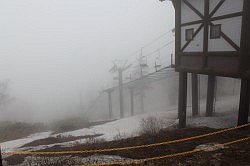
72	160
209	145
127	127
10	145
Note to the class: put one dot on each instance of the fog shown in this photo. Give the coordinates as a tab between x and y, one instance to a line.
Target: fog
56	54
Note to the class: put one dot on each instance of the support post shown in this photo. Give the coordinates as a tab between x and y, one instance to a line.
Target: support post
132	101
182	105
195	106
244	102
1	159
121	94
249	107
210	95
142	100
110	104
172	64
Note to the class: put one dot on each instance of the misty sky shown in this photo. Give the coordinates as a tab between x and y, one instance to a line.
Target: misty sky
51	51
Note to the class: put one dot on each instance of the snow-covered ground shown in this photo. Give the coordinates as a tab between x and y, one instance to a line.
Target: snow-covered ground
127	127
11	145
119	129
225	116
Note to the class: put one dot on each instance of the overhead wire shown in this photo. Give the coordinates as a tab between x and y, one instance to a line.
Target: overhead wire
136	63
161	47
151	42
156	39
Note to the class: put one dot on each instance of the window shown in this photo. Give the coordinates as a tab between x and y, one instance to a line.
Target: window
215	31
189	34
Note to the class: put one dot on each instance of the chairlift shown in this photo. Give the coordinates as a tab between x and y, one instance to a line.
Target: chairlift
143	62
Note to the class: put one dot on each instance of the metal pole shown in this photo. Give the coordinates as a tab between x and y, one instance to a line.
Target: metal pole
155	67
182	105
195	109
132	101
142	84
142	100
172	65
244	102
110	104
141	60
210	95
121	93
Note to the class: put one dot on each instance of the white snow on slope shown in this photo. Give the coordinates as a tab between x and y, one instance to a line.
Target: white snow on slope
10	145
126	127
123	128
225	116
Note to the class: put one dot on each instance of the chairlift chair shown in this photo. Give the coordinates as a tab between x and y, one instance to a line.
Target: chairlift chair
143	63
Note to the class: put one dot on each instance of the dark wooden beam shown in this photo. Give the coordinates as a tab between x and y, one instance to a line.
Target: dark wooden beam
244	102
192	23
245	42
174	3
182	105
1	159
216	8
193	8
210	95
195	106
177	31
205	42
237	14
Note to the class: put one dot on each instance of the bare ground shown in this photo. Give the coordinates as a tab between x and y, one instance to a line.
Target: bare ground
234	155
58	139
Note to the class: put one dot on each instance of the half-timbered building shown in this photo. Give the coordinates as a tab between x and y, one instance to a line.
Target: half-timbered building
213	38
